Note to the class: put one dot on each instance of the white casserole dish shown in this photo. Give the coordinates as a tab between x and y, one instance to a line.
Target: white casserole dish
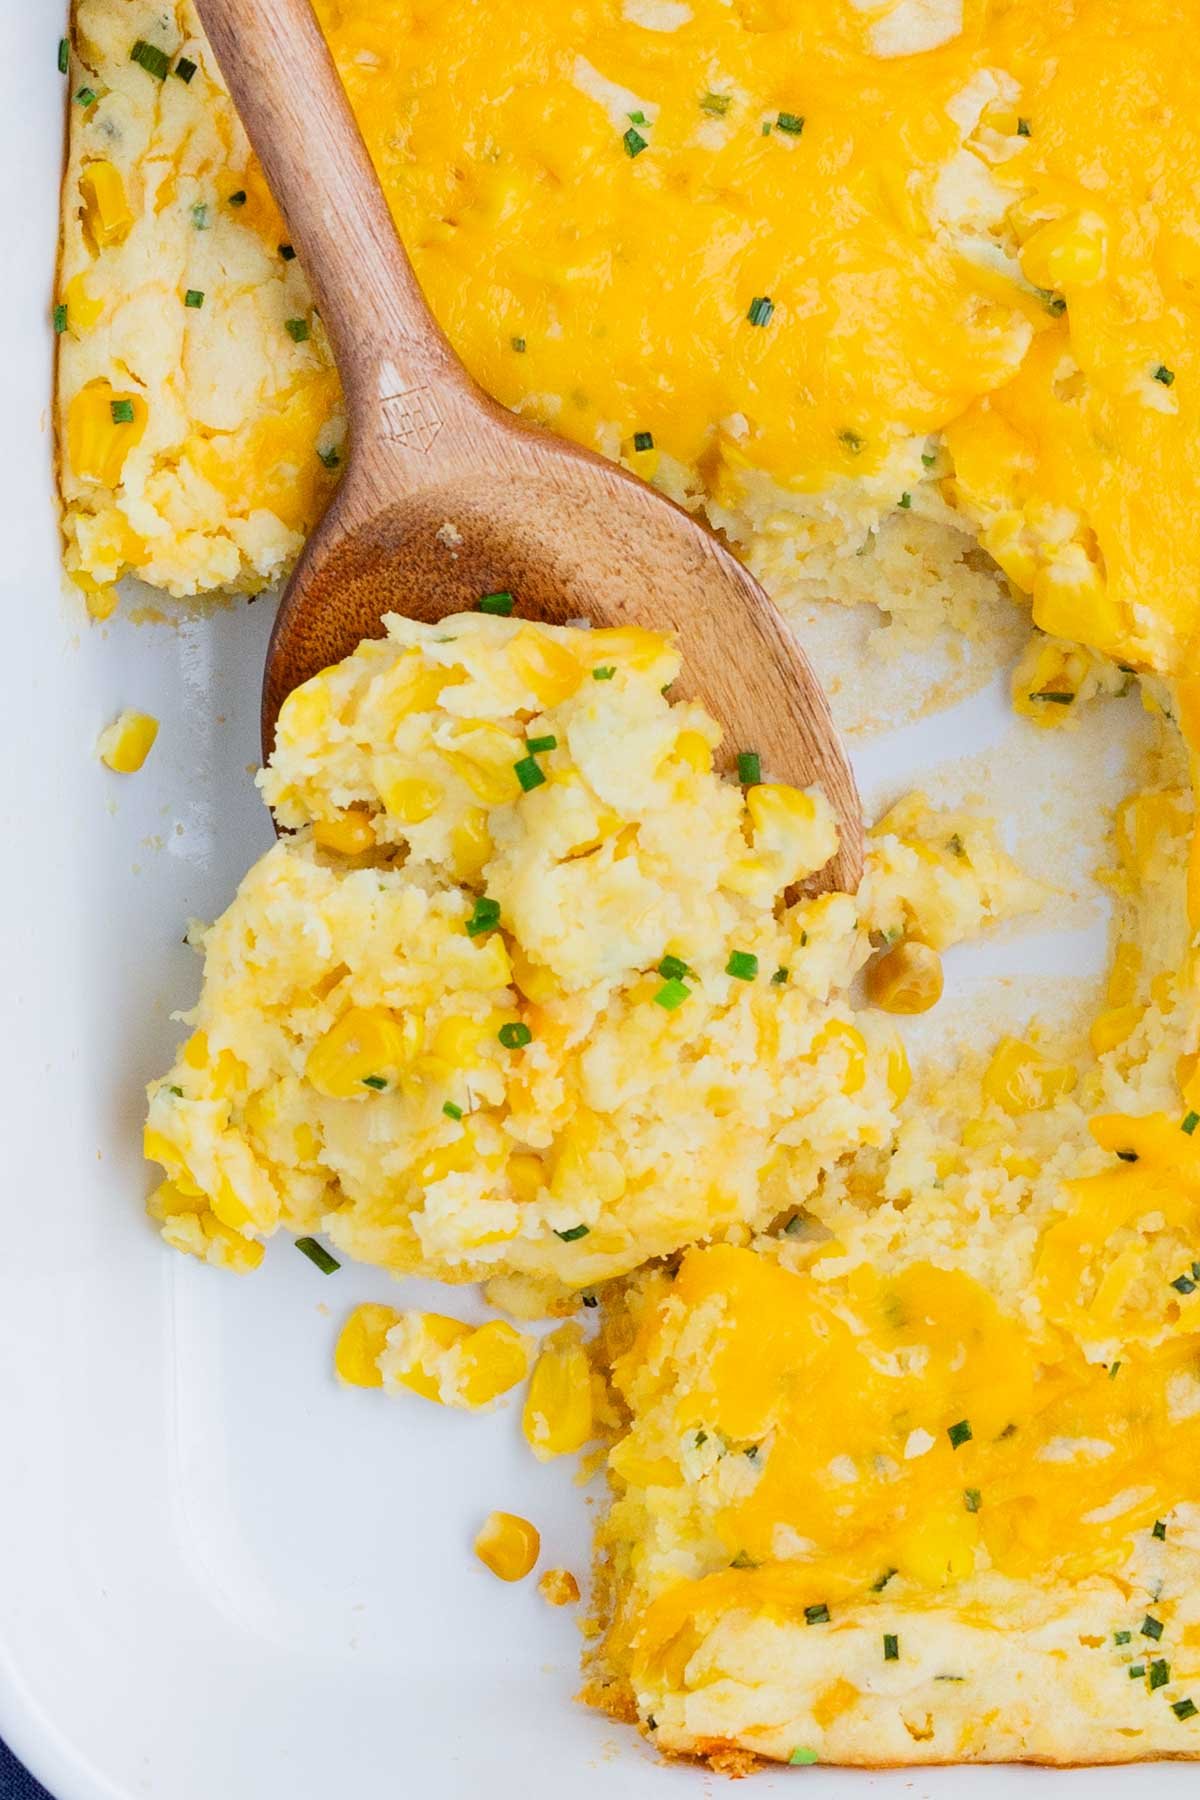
221	1577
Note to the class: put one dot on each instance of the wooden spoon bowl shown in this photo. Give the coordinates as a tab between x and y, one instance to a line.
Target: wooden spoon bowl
447	496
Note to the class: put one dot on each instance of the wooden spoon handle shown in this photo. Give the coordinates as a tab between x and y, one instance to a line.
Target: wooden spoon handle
291	101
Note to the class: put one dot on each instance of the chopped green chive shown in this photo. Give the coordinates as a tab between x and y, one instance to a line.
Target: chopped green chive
816	1615
766	130
1189	1122
536	746
528	773
297	330
177	1091
576	1231
287	252
1152	1627
716	104
317	1253
643	440
485	917
500	603
378	1082
451	1111
891	1647
802	1758
673	968
122	411
851	441
331	457
928	458
905	501
749	768
605	672
634	142
592	1300
1122	1637
972	1499
792	123
1183	1284
672	994
761	308
156	62
959	1434
1128	1155
515	1036
637	118
194	298
518	344
1136	1671
185	68
743	1560
85	97
200	215
238	199
60	318
1165	375
64	55
877	1587
1112	1371
779	978
1023	128
742	965
1160	1673
1184	1709
1054	696
1055	304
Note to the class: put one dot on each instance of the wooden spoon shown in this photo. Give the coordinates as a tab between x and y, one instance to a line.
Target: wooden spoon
447	496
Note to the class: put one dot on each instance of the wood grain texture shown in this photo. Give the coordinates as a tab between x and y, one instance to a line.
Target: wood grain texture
447	496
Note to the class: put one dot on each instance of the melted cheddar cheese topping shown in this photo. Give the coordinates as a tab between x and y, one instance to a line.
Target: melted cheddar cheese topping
828	259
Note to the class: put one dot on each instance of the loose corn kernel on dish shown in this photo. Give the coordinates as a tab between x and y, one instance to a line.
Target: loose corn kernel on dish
889	1342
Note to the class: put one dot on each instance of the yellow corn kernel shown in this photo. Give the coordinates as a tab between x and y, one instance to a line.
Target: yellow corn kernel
899	1073
412	685
583	1169
226	1248
411	799
1065	252
485	756
557	1419
526	1175
106	212
367	1041
305	711
1047	681
632	645
98	442
693	748
470	844
454	1158
160	1149
490	1362
773	806
508	1545
1142	822
851	1039
169	1200
456	1041
1112	1027
642	462
533	979
1019	1079
100	597
558	1587
360	1344
489	967
549	668
125	744
1123	976
427	1335
82	311
905	979
349	834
